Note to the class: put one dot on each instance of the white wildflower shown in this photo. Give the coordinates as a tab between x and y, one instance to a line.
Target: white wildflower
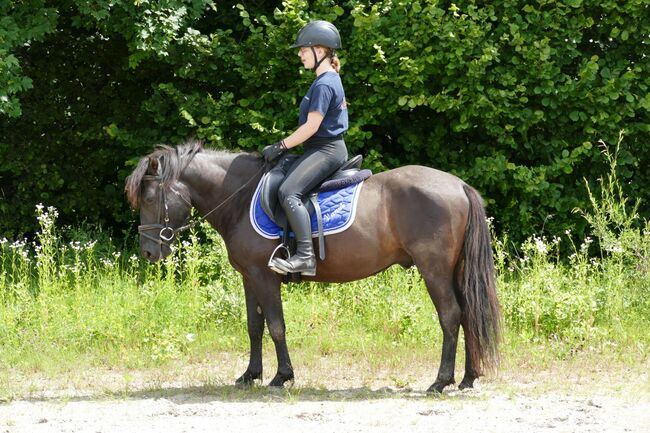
585	244
17	245
616	249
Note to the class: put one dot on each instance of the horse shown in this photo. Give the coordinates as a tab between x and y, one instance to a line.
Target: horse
409	216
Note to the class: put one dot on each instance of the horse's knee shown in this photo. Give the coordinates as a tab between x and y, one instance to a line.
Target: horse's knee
277	331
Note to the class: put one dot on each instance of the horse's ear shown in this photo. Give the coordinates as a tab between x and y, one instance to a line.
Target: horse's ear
154	166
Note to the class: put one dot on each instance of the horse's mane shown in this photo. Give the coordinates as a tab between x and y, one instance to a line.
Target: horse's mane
172	162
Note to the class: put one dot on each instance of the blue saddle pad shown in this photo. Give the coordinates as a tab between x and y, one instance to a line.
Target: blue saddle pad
338	208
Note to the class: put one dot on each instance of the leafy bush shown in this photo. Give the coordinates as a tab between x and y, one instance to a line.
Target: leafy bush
589	298
513	96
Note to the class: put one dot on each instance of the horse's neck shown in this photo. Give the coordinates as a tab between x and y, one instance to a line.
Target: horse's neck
223	182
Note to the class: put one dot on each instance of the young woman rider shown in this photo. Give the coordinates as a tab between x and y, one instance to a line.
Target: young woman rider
322	122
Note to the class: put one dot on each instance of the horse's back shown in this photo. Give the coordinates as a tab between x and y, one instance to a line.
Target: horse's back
402	215
416	188
423	178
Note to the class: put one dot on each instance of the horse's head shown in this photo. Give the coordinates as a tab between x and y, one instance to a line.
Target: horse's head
164	203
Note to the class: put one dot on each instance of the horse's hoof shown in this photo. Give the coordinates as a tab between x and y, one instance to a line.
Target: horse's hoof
280	380
248	379
466	383
438	386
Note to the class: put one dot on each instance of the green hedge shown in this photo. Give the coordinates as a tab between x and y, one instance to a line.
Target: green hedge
513	96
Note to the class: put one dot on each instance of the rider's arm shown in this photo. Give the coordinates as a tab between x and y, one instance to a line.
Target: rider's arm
304	131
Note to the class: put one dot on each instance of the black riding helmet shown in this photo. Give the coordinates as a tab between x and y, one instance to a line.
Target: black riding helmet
321	33
318	33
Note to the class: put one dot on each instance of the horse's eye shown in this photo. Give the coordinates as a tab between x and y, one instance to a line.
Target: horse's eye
149	199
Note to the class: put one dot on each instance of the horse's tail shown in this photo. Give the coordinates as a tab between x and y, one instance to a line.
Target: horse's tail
478	288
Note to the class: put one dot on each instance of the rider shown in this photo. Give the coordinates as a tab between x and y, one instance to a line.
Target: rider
322	122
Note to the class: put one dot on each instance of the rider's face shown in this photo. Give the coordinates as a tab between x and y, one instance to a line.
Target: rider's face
307	58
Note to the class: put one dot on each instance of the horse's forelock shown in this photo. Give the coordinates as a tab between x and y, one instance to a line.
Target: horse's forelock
134	183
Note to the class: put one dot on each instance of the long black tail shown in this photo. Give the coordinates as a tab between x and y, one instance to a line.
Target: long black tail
478	286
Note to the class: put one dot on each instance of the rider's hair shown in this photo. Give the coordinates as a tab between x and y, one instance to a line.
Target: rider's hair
334	60
336	63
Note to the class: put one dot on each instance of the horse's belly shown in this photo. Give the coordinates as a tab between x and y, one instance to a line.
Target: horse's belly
367	247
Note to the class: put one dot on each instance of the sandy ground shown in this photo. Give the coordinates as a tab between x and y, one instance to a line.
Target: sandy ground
332	397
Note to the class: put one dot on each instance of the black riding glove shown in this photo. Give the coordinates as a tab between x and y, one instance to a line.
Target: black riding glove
274	151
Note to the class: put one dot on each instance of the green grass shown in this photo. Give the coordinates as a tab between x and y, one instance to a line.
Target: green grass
74	300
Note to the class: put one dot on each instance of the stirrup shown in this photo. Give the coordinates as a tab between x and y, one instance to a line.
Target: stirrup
272	265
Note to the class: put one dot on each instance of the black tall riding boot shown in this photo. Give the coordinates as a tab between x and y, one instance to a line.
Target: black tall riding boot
304	261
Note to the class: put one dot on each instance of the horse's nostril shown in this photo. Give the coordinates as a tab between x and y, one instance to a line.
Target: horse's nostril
151	256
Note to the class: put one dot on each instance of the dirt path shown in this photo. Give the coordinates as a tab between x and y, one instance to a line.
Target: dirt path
198	399
187	412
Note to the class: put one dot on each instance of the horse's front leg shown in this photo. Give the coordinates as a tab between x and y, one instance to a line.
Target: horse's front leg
264	286
255	320
275	322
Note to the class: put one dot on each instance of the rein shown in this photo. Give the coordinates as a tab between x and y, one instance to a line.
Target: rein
167	233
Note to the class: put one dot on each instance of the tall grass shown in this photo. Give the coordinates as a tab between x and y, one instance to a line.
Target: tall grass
64	301
74	297
596	296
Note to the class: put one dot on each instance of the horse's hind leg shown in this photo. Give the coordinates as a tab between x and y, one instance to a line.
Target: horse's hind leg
471	372
441	290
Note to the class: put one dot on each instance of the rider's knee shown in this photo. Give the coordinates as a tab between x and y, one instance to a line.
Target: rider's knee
287	197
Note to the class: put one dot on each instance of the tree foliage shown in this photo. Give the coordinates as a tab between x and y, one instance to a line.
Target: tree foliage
511	95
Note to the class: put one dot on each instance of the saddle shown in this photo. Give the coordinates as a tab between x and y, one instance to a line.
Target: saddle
349	173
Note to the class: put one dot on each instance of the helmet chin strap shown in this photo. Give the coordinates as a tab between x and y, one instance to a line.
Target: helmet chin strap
317	62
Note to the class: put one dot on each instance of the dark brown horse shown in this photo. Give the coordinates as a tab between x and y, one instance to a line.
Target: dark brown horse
408	216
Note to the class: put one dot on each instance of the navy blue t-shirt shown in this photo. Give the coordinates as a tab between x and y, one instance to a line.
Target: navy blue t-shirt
326	96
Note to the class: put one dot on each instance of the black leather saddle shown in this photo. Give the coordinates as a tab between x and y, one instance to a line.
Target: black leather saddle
349	173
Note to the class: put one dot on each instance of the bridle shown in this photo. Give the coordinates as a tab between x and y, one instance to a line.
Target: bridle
166	233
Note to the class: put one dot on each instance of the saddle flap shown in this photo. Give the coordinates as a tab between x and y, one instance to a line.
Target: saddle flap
269	189
348	174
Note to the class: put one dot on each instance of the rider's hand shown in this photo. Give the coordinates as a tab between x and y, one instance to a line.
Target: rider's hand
274	151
